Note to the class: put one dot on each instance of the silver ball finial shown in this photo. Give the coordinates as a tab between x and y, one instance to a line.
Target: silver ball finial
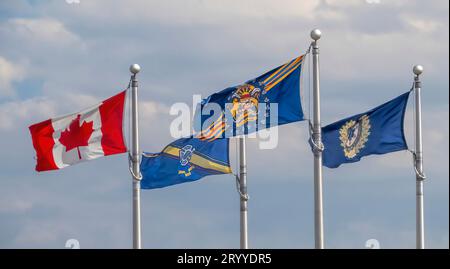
316	34
135	68
418	69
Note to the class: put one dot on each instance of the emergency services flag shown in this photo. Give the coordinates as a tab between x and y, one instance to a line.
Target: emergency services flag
269	100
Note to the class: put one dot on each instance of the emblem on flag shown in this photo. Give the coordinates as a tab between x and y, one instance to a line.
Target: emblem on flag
186	154
76	135
354	135
244	106
185	157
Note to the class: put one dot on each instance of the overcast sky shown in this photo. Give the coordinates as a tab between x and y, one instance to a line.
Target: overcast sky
58	58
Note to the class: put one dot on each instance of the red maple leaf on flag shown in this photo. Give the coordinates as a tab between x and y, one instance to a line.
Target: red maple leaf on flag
76	135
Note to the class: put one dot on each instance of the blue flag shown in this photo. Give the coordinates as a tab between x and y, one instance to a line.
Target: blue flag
377	131
185	160
247	108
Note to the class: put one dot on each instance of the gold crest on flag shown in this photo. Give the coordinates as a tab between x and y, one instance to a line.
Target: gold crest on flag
354	135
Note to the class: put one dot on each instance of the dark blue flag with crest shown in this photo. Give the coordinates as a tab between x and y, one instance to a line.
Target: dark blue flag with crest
248	107
377	131
185	160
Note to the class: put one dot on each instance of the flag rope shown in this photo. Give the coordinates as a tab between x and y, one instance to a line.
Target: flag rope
236	176
414	118
422	175
128	106
130	160
302	80
419	174
317	148
309	82
238	187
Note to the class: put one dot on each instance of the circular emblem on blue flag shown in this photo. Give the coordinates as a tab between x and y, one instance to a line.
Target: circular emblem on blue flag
354	135
186	154
244	106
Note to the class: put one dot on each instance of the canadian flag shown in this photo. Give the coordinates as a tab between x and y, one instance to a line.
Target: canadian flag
86	135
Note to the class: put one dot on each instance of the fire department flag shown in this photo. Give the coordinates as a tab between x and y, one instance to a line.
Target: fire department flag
82	136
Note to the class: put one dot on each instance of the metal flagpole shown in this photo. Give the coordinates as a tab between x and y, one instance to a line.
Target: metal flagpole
134	156
418	160
317	139
243	192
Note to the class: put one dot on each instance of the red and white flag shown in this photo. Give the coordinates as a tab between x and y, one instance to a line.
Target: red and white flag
86	135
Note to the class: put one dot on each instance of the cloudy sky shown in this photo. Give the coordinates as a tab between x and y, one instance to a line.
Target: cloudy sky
58	58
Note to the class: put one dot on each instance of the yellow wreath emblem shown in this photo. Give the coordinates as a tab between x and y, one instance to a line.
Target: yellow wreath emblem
354	135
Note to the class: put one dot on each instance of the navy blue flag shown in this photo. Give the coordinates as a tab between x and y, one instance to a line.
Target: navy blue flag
377	131
247	108
185	160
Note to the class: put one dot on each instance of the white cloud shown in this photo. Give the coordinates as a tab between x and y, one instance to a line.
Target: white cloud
428	26
9	72
44	30
354	59
150	110
344	3
198	11
16	113
79	101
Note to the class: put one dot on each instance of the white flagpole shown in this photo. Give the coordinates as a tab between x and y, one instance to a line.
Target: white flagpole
135	158
420	234
317	139
243	192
